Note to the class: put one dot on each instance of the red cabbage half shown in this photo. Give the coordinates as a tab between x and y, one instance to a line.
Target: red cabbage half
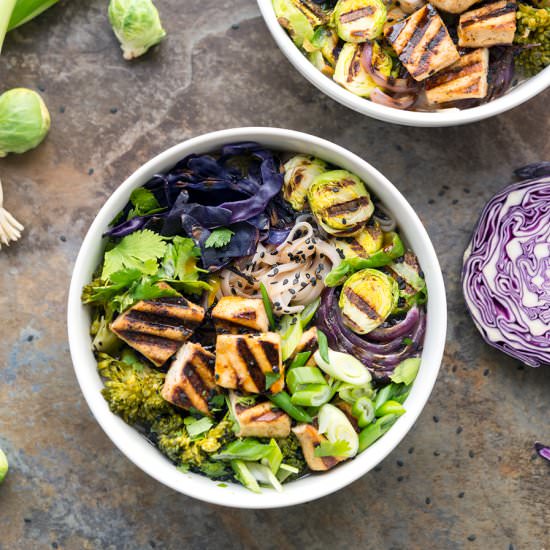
506	271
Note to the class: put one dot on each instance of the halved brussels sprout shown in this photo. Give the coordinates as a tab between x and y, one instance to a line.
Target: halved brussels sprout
367	299
364	244
359	20
410	281
349	71
299	18
300	171
340	202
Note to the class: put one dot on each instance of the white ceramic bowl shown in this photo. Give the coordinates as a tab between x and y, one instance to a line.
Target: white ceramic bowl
136	447
448	117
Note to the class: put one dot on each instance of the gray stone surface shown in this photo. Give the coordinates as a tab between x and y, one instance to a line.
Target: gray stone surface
68	486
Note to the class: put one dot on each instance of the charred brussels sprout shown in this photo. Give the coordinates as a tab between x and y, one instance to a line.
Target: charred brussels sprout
340	202
366	300
322	48
299	18
300	171
317	59
410	280
359	20
364	244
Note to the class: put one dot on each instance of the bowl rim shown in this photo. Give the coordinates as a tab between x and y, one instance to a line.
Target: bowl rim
449	117
136	447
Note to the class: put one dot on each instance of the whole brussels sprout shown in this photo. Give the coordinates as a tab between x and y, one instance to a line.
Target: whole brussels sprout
300	171
367	299
136	24
3	465
24	121
359	20
368	241
340	202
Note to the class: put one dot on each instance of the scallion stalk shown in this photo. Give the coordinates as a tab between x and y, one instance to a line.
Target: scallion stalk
25	10
6	10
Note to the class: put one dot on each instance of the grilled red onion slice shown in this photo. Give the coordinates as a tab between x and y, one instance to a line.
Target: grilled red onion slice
399	85
378	355
382	98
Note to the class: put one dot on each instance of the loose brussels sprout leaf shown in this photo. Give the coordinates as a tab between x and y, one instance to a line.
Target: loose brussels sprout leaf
340	202
300	171
136	24
367	299
359	20
24	121
349	71
364	244
293	20
319	62
410	280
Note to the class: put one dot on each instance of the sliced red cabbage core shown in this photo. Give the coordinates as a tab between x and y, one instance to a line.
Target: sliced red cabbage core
506	272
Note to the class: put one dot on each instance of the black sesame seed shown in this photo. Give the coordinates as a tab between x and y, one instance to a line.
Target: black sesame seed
285	281
292	291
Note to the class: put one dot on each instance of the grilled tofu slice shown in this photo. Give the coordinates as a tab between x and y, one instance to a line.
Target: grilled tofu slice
261	420
410	6
395	14
465	79
310	439
190	380
308	342
242	361
422	43
453	6
492	24
233	313
157	328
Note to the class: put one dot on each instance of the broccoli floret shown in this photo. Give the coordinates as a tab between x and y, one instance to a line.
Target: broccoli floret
132	390
175	443
533	27
292	453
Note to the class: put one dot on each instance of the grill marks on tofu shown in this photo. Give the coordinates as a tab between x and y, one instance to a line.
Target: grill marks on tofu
308	342
157	328
242	361
310	439
422	43
490	25
261	420
190	380
234	314
465	79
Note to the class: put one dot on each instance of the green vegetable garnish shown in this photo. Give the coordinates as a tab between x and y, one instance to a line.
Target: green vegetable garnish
337	448
300	360
267	306
390	407
323	345
406	371
197	427
271	378
375	431
533	29
219	238
244	449
392	249
144	202
283	401
363	411
3	465
312	395
24	121
242	473
309	311
299	377
136	24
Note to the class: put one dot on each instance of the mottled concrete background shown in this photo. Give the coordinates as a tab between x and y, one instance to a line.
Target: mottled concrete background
464	477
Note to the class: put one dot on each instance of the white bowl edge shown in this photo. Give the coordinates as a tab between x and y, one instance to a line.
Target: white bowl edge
145	455
448	117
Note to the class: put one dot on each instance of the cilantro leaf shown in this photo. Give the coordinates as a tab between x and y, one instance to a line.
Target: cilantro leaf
336	448
195	427
271	378
219	238
139	250
180	260
144	202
